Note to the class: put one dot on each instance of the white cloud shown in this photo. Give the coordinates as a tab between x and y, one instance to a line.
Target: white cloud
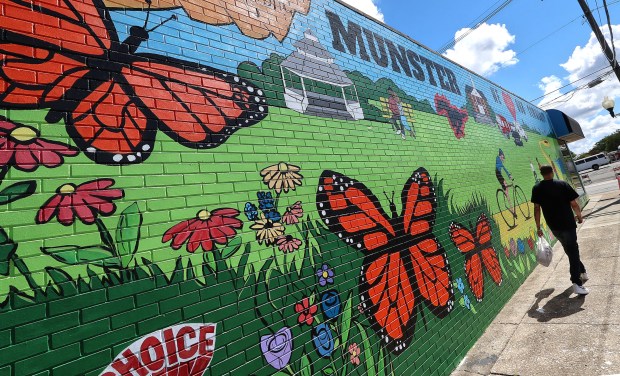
485	50
367	6
584	105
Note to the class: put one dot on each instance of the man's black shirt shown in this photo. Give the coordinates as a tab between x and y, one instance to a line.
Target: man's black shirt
554	197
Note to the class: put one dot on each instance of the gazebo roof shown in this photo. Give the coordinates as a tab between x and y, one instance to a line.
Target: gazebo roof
313	61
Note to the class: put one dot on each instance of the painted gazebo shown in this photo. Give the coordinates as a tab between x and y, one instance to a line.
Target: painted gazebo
314	85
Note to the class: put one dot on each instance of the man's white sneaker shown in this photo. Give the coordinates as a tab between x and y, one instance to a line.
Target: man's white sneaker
584	277
580	290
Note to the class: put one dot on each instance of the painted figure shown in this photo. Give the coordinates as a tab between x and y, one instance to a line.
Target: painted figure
396	109
536	178
499	166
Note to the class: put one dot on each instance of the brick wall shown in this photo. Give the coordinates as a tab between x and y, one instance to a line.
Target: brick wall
251	187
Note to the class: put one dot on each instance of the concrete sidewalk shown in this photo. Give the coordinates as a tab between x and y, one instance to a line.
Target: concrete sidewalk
545	329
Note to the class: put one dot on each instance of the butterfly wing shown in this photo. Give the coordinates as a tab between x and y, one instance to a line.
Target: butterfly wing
388	299
199	107
352	212
112	126
38	62
489	256
465	242
428	265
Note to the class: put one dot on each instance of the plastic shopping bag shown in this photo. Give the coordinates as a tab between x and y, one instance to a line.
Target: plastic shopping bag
544	253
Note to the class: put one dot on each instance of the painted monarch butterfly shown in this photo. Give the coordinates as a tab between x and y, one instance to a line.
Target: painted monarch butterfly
404	263
66	55
478	251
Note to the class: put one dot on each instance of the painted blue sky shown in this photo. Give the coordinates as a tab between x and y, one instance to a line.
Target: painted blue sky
531	47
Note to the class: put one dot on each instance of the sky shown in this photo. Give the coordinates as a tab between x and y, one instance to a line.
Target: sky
542	50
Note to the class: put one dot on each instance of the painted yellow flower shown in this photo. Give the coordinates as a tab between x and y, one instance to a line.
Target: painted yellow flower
281	177
267	231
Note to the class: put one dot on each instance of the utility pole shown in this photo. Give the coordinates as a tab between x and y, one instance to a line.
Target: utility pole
606	50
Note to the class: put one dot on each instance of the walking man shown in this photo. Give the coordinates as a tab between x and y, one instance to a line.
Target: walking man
558	201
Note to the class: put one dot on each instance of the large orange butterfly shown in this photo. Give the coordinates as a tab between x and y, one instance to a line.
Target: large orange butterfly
404	263
478	251
65	55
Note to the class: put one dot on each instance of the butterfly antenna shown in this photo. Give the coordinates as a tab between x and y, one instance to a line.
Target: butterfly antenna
173	17
148	13
392	204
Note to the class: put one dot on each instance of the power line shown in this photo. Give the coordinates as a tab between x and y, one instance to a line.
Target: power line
569	84
451	44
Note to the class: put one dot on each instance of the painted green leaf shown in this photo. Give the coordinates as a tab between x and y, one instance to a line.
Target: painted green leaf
381	371
128	233
231	248
305	366
76	255
368	358
17	191
473	309
106	237
346	320
7	250
328	371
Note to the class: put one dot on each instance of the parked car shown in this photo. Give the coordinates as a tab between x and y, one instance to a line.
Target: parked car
593	162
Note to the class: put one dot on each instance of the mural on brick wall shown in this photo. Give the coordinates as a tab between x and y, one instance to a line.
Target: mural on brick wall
268	209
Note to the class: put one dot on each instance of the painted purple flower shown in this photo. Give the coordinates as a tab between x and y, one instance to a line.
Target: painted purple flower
277	348
325	274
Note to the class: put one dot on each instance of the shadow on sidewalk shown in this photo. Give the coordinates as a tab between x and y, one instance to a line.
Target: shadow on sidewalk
557	307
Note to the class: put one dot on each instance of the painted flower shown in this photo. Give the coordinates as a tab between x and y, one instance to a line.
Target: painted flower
293	213
281	177
272	215
85	201
277	348
330	304
467	302
460	285
267	231
306	311
530	243
520	245
250	211
360	308
506	252
265	200
325	274
513	246
204	230
355	352
287	243
323	340
22	148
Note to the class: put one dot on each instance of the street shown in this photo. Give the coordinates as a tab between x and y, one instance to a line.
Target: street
601	181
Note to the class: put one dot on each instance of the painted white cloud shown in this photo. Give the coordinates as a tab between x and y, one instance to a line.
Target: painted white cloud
584	105
485	50
367	6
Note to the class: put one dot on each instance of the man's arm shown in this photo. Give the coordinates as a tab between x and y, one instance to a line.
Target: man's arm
537	219
577	210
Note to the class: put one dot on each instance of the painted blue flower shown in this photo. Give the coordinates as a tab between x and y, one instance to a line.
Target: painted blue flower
250	211
323	340
330	303
273	215
467	302
325	274
265	201
460	285
520	245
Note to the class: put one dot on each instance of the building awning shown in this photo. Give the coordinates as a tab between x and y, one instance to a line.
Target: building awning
566	128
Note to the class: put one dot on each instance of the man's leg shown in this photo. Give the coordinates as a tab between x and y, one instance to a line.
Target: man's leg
568	239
